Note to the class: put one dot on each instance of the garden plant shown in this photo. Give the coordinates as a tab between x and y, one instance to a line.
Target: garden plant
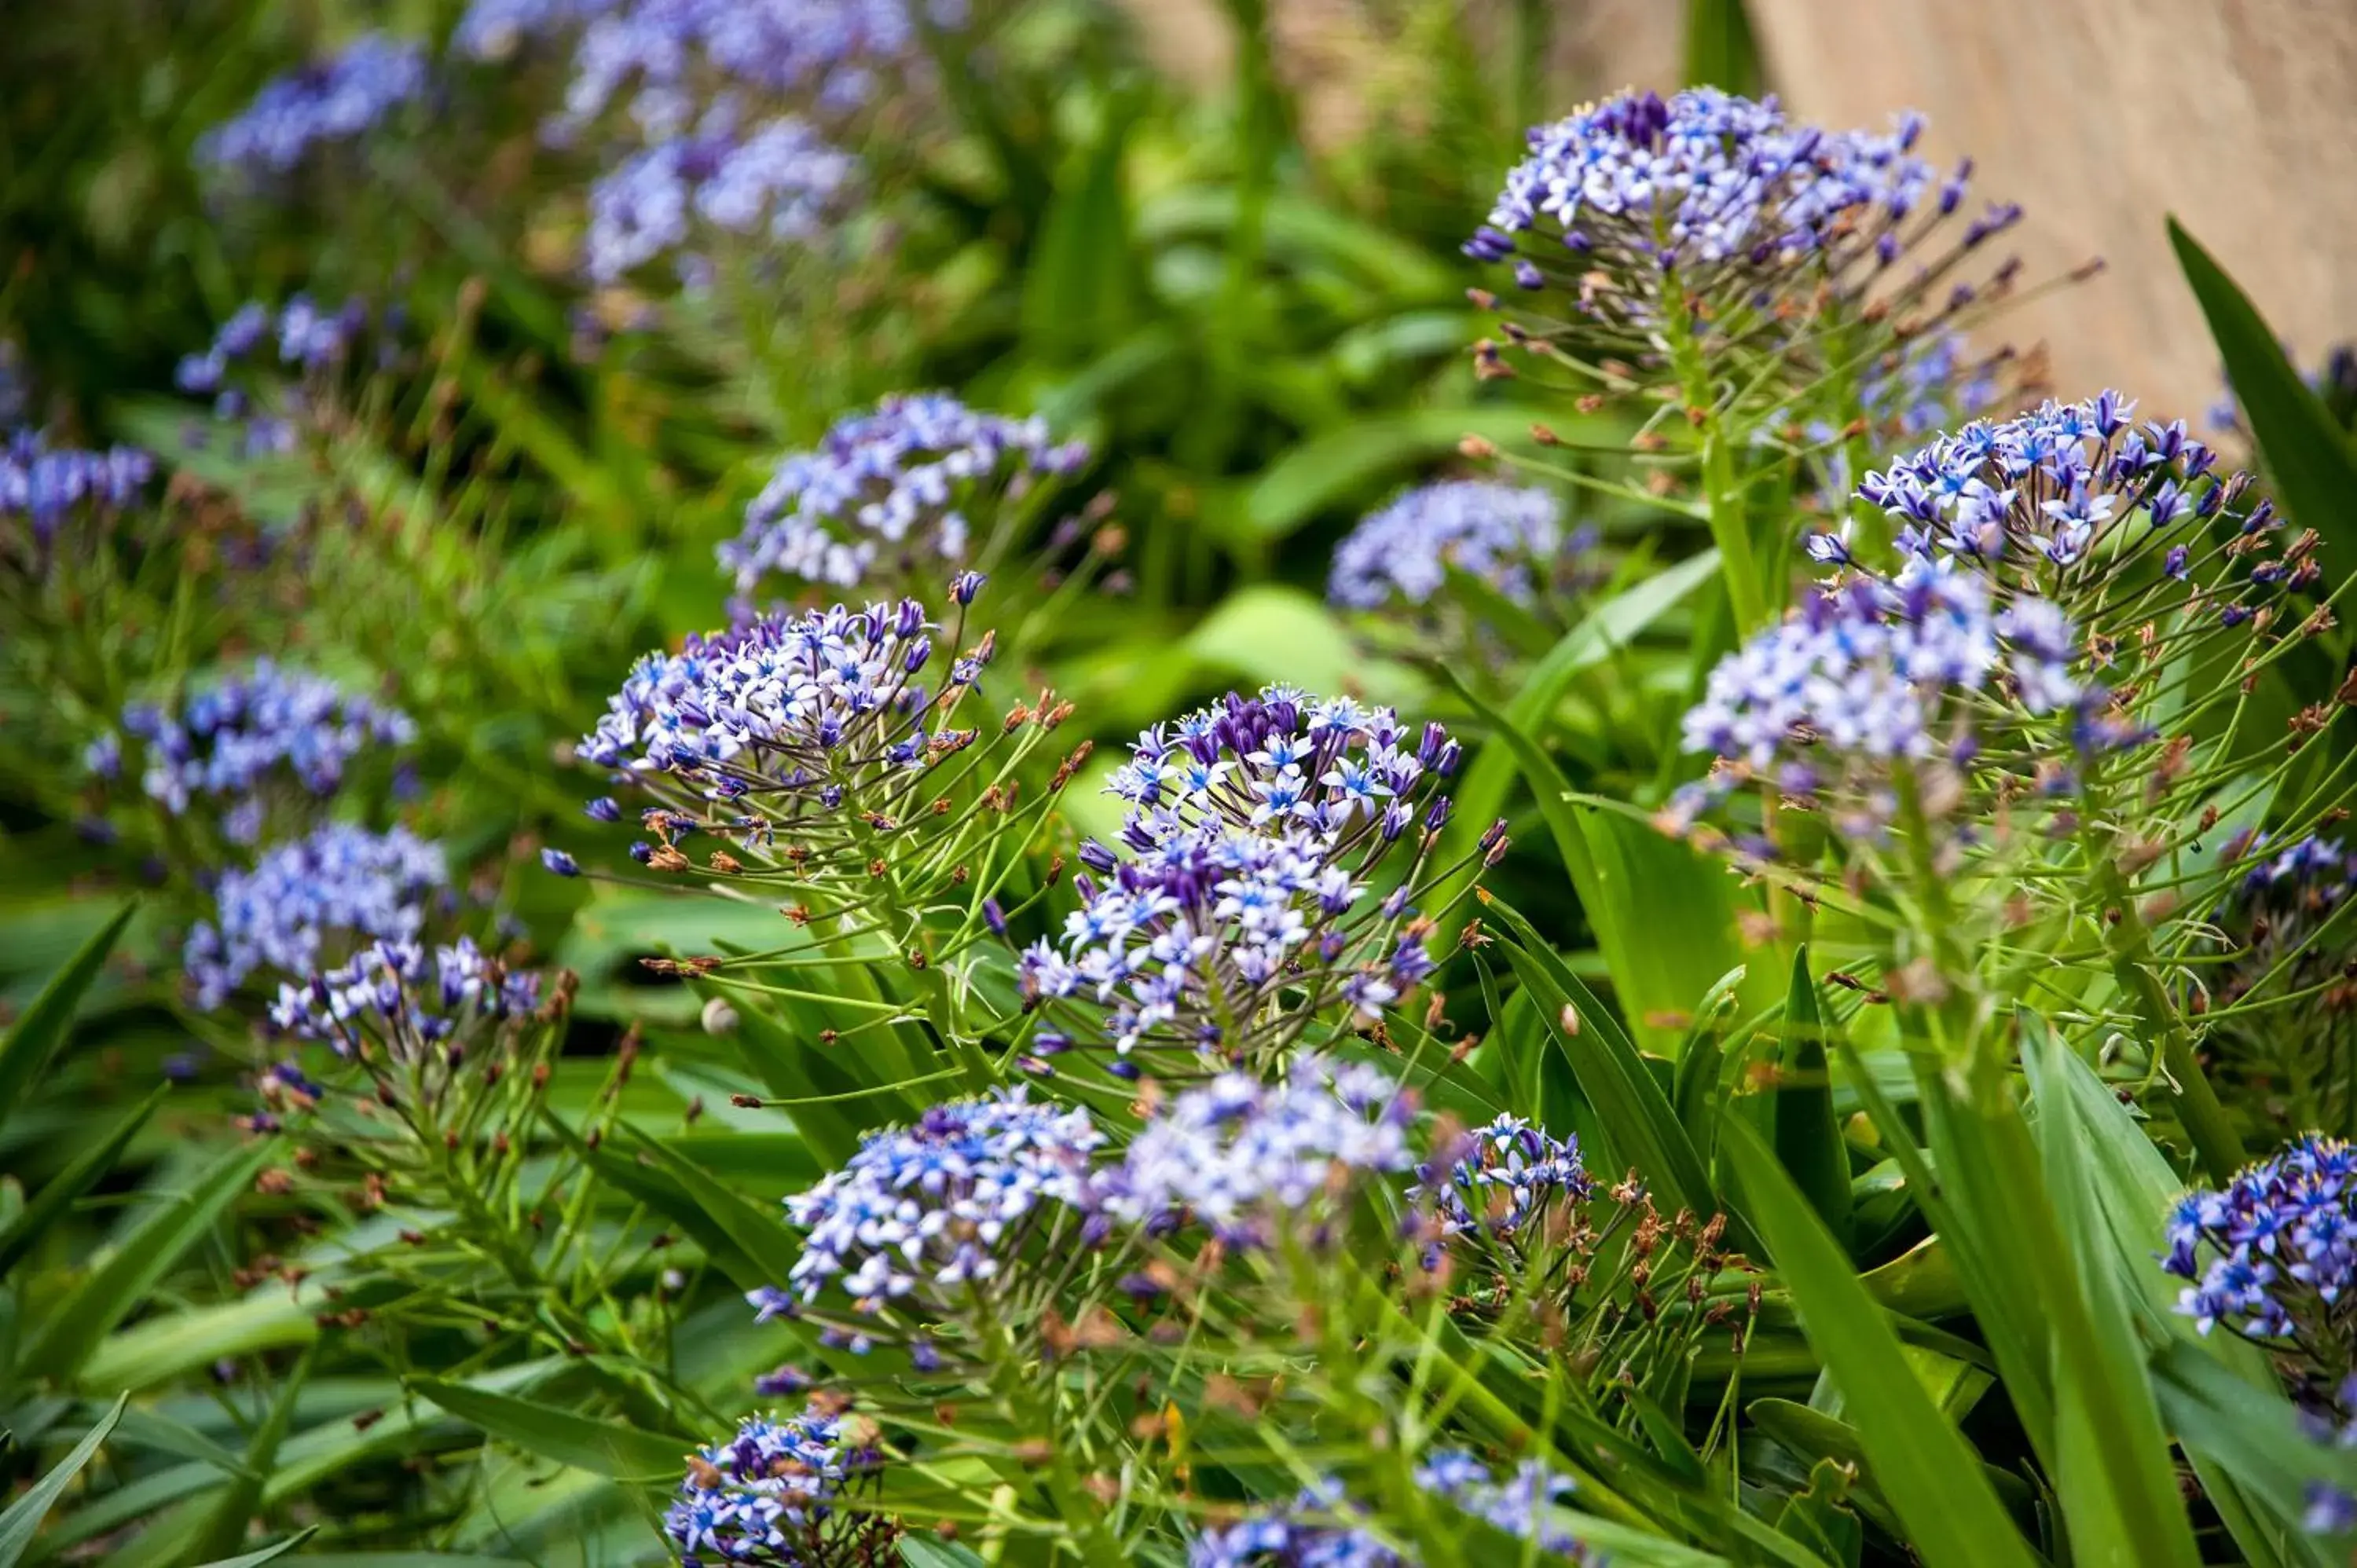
829	782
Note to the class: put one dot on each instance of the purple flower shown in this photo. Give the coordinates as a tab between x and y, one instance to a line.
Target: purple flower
922	484
768	1494
305	904
1239	1155
335	100
233	738
1506	535
923	1217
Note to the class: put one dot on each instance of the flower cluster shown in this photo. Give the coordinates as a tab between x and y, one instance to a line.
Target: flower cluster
1236	1154
1310	1531
1704	182
813	727
1506	535
334	100
306	337
778	179
1502	1177
662	52
1870	672
1238	906
2274	1255
894	493
770	1494
1351	775
44	485
1316	1529
2051	486
2276	914
1516	1505
232	738
389	990
1194	943
305	904
923	1217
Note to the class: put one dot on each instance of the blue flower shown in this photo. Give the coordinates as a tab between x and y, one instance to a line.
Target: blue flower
1239	1156
306	904
783	728
43	485
2272	1255
230	738
924	1218
1505	535
1502	1177
903	490
778	182
559	862
335	100
768	1494
401	994
1313	1530
1645	187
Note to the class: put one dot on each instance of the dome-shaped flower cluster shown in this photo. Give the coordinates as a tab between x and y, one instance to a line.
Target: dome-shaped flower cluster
391	991
1645	187
232	739
43	485
897	493
1505	535
783	721
305	905
660	53
923	1217
1237	1154
2045	490
777	178
1501	1177
2274	1256
334	100
1350	774
1870	672
768	1495
1239	903
1193	942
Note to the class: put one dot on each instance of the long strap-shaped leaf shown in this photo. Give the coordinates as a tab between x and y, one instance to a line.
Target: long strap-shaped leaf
25	1515
1636	1115
1921	1465
27	1048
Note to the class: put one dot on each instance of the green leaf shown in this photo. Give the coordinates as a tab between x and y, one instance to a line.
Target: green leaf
1351	463
23	1516
27	1050
1635	1114
2044	1266
140	1259
1079	287
255	1559
230	1516
932	1551
1808	1138
756	1231
1719	50
1664	914
1930	1474
2307	455
601	1444
64	1189
1611	626
1269	631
